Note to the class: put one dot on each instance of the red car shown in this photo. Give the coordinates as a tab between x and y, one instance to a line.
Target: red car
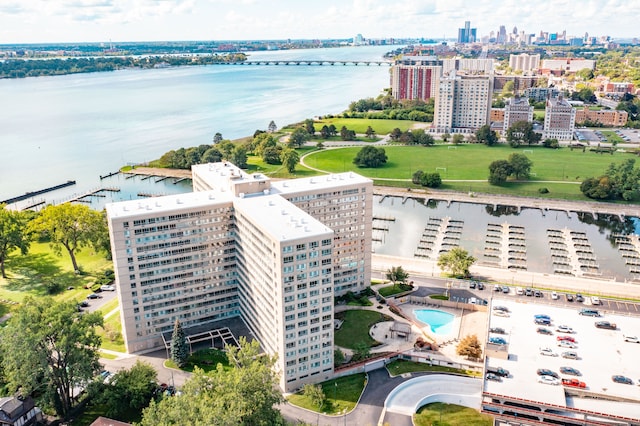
574	383
566	338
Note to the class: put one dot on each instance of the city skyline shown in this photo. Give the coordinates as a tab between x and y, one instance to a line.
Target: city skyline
40	21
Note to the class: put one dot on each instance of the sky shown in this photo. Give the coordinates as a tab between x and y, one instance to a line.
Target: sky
56	21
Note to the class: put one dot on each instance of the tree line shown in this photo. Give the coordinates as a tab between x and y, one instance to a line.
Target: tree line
20	68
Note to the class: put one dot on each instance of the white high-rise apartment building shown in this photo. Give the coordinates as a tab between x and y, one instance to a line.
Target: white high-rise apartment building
463	103
559	120
516	109
274	254
524	62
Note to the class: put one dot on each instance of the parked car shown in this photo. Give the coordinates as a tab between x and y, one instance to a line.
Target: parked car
545	316
566	339
519	291
472	284
480	286
542	330
542	321
497	330
94	296
505	289
493	377
528	292
579	298
538	293
570	370
554	295
497	288
589	312
497	340
501	308
547	372
501	314
570	355
565	344
498	371
107	288
595	300
574	383
548	380
564	329
606	325
632	339
622	379
83	304
569	298
547	352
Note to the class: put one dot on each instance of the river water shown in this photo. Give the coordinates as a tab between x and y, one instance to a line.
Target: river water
78	127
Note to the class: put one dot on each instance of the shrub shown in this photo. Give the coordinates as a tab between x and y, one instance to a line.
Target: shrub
543	190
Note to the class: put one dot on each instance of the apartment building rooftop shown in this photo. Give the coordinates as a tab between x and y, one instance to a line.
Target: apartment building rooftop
318	182
279	218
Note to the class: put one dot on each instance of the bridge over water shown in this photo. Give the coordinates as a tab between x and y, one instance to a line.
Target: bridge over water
317	62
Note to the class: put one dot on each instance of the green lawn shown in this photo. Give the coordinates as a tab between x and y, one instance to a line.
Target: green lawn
612	136
400	366
206	360
355	329
440	414
112	328
341	394
31	274
394	289
359	125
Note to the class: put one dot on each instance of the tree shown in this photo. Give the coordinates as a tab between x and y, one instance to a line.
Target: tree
308	126
71	226
244	395
457	139
217	138
315	394
499	171
14	235
470	347
361	350
397	274
226	147
272	127
129	390
271	155
212	155
395	134
417	177
551	143
620	182
338	357
421	137
445	137
370	132
290	159
486	136
522	132
508	88
324	132
262	142
370	156
457	261
51	347
346	134
431	180
298	137
239	156
179	346
332	130
520	165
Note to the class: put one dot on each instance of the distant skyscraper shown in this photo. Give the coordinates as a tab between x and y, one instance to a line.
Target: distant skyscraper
501	38
467	34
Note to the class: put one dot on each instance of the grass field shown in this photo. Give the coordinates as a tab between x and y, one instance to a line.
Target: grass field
359	125
341	394
440	414
566	168
394	289
355	329
207	360
612	136
399	367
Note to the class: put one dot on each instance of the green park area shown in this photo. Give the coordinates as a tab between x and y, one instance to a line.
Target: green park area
441	414
340	395
354	330
466	167
400	366
611	136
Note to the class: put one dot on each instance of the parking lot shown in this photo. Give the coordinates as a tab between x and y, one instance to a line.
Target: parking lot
601	353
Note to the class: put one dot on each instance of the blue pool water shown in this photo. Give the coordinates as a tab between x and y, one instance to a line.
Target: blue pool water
441	323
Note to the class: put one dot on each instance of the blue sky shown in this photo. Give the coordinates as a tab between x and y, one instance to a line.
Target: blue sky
33	21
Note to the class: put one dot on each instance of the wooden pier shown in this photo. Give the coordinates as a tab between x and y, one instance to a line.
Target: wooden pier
109	175
94	192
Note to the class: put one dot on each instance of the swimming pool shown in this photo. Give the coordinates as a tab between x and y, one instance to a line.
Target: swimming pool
440	322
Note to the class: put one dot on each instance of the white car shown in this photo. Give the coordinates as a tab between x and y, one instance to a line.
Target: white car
107	288
501	314
564	329
547	352
548	380
519	291
595	300
632	339
554	295
566	344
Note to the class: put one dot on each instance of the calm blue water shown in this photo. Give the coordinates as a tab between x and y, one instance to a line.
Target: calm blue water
441	323
77	127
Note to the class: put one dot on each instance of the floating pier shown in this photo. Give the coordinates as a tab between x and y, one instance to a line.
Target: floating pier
28	195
